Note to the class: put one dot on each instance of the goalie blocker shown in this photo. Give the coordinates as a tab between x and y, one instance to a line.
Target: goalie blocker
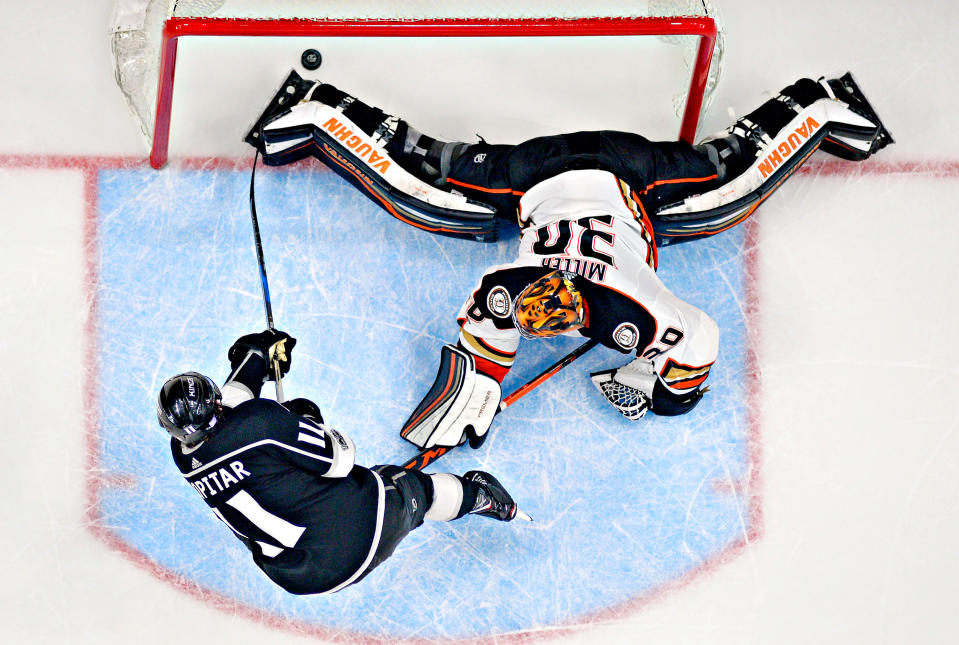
459	407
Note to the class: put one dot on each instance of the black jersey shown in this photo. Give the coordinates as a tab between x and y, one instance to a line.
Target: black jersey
287	488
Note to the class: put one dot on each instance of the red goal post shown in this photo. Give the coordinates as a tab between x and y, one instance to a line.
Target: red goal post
175	27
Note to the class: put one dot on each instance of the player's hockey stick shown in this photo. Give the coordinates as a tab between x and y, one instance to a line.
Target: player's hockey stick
263	283
429	455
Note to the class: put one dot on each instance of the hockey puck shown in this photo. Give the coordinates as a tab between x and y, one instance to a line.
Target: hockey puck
311	59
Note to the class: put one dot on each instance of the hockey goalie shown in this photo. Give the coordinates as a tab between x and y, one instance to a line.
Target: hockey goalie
592	207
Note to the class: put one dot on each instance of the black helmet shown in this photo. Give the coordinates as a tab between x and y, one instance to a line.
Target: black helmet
189	406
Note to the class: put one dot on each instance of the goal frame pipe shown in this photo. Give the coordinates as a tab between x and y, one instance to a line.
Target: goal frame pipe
175	28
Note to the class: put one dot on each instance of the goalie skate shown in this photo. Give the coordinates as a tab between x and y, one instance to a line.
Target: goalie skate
847	90
294	89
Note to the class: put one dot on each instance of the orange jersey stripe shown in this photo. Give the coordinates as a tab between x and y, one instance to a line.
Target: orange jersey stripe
483	189
691	180
684	377
689	384
490	368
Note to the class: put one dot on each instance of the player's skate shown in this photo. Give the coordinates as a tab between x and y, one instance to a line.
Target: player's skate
492	500
368	148
847	90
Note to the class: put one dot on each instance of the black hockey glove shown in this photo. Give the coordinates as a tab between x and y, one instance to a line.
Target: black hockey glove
304	408
669	404
271	345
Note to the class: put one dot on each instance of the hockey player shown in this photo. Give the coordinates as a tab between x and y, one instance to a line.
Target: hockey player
592	207
286	483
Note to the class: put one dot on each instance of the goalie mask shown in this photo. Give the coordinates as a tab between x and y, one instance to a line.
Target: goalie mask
189	407
548	307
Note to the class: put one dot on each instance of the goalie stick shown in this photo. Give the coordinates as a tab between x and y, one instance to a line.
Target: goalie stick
263	283
429	455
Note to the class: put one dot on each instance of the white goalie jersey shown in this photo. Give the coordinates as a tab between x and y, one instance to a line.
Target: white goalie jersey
591	224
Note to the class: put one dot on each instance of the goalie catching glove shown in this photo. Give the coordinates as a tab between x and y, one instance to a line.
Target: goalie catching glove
273	346
459	407
635	389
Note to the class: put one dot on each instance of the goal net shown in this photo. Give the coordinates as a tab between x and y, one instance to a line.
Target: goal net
505	70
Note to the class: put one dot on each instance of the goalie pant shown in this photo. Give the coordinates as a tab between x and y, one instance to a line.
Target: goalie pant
287	487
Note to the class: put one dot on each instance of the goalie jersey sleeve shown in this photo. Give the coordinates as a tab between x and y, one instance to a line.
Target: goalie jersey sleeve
589	223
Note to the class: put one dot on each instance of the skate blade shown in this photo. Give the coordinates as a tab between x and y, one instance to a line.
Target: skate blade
520	515
885	137
293	90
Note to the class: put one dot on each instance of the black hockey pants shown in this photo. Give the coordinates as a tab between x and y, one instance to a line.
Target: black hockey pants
659	173
409	494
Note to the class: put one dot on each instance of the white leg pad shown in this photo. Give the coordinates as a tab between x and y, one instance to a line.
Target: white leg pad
788	142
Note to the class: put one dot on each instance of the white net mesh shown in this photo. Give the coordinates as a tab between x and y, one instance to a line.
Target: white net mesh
630	402
694	8
135	44
137	28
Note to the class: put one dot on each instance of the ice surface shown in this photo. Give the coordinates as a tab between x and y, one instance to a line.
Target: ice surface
811	498
371	301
